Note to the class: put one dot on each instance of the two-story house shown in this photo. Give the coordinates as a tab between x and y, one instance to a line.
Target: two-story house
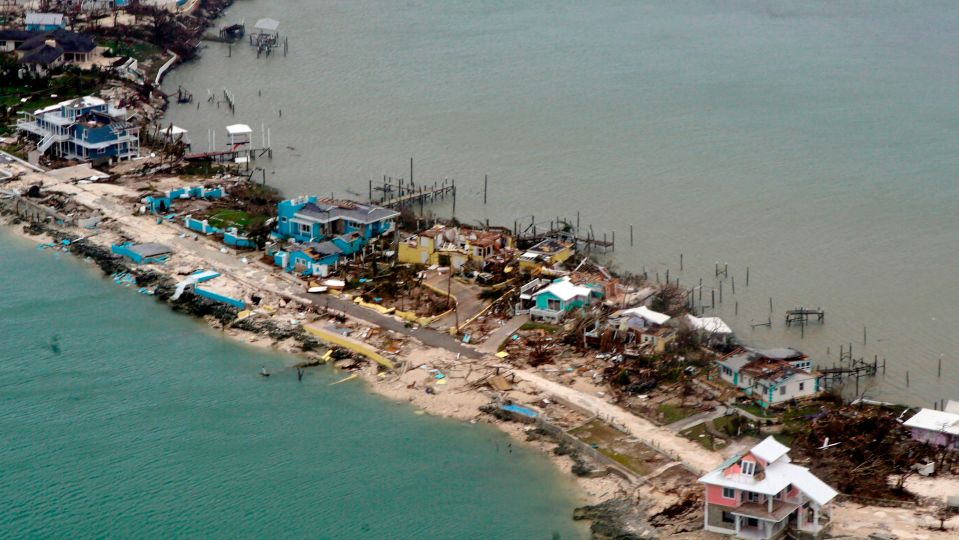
771	376
321	231
457	244
85	129
761	495
312	219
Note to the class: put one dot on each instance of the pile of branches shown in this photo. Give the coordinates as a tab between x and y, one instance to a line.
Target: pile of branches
873	448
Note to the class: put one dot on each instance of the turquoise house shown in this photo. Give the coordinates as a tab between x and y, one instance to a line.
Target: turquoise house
312	259
309	219
559	298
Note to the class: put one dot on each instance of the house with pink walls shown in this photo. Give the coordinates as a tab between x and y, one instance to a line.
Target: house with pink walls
761	495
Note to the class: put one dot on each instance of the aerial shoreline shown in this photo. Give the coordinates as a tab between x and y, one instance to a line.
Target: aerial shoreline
298	323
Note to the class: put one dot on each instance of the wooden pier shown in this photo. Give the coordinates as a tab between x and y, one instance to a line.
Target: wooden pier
803	316
230	155
397	193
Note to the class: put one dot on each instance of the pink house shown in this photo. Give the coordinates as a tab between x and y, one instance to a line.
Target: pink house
936	427
761	495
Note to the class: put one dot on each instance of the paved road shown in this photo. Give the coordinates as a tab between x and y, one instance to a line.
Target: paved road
427	336
693	455
492	343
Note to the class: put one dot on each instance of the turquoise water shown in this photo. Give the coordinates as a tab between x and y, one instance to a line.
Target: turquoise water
119	418
809	140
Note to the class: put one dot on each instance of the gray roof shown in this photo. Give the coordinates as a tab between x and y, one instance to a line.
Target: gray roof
72	42
323	249
267	24
360	213
14	34
737	361
784	353
43	55
150	249
44	19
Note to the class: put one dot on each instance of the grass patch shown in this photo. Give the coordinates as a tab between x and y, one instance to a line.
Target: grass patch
797	415
754	409
140	50
700	436
229	218
674	413
204	169
548	328
616	446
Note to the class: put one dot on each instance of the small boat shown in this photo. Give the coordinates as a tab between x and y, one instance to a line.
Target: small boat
317	289
335	283
264	372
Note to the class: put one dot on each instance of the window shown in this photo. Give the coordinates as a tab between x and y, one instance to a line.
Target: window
305	228
802	386
553	305
782	390
728	518
753	497
729	493
748	467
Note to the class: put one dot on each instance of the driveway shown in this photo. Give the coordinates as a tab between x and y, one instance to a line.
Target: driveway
468	303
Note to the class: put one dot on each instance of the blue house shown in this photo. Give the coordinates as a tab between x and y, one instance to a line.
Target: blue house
159	204
309	219
310	259
44	22
84	129
559	298
323	230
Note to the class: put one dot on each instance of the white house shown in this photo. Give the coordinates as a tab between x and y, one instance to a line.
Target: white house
712	329
760	494
772	376
936	427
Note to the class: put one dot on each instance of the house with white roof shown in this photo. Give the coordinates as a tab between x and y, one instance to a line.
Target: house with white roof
553	302
712	330
649	326
762	495
937	427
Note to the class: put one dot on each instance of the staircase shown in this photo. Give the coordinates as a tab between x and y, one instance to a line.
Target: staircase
46	143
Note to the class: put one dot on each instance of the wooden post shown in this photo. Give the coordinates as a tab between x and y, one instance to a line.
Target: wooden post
734	284
680	262
907	378
939	373
712	303
863	335
411	170
747	276
770	304
485	186
630	236
720	292
737	308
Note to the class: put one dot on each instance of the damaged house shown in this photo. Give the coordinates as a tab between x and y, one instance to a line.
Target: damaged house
770	377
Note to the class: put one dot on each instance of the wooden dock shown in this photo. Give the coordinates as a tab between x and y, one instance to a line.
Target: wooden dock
803	316
397	193
222	156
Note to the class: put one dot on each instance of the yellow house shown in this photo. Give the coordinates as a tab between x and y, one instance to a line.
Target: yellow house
547	253
435	245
